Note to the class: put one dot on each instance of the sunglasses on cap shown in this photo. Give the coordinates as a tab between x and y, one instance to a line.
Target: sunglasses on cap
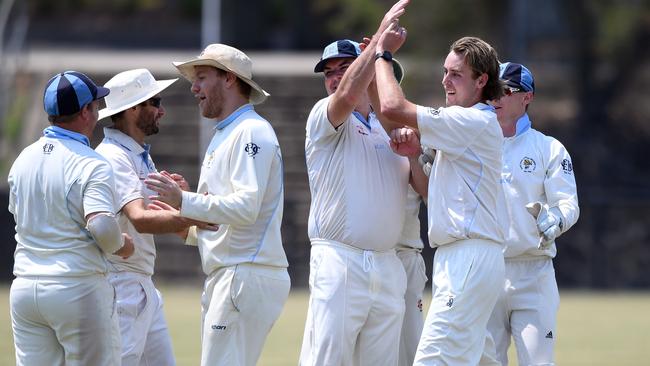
510	91
153	101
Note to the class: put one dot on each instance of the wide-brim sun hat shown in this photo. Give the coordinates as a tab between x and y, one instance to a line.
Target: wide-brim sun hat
228	59
130	88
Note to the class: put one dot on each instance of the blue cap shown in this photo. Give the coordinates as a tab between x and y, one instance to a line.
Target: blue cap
338	49
346	48
68	92
517	76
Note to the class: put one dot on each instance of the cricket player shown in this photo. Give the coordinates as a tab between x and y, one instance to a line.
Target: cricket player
538	176
135	107
358	190
241	189
465	199
61	196
409	251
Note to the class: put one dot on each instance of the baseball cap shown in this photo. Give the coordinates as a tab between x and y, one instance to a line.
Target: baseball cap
517	76
346	48
68	92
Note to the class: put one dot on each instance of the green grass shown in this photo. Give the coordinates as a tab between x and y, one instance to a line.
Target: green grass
595	328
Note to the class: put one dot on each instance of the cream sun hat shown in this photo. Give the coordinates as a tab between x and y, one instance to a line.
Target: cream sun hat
228	59
130	88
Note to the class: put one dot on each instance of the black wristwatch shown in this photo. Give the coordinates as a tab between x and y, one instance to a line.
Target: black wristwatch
386	55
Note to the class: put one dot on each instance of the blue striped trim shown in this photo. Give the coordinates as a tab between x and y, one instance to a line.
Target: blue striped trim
275	210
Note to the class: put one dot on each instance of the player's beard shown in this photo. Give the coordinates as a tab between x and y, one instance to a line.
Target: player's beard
147	124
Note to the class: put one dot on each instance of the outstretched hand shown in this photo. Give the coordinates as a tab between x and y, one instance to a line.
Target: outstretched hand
169	191
392	15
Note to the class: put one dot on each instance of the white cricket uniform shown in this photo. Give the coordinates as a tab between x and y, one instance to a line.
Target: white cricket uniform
62	306
357	283
241	189
467	224
145	336
409	251
536	168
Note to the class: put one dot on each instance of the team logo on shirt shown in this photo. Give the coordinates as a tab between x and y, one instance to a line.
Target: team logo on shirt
527	165
567	167
434	111
361	130
47	148
450	302
420	305
252	149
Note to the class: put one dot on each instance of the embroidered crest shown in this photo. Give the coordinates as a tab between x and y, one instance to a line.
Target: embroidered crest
567	166
252	149
361	130
527	165
434	111
47	148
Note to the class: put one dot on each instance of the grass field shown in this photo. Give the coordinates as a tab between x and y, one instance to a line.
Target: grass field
595	329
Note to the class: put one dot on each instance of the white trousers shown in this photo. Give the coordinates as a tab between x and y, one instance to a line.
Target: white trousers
416	280
240	304
356	307
527	312
67	321
467	278
144	332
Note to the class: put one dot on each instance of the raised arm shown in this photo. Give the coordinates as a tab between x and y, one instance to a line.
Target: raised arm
354	83
392	102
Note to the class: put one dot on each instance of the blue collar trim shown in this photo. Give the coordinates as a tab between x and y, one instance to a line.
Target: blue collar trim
523	124
57	132
362	119
233	116
483	107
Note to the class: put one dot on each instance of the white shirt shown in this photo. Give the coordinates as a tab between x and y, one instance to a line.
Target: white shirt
241	189
465	199
410	237
358	185
536	168
54	184
131	163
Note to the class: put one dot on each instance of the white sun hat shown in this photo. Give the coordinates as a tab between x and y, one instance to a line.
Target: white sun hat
130	88
229	59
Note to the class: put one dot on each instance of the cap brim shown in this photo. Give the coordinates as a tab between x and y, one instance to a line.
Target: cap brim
320	66
160	86
258	95
102	92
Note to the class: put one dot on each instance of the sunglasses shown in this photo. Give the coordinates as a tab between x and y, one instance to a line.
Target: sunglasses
510	91
153	101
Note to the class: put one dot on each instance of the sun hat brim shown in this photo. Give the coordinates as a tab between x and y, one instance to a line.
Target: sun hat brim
186	68
160	86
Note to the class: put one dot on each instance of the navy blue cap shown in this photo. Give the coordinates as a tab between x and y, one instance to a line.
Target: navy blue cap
68	92
338	49
517	76
346	48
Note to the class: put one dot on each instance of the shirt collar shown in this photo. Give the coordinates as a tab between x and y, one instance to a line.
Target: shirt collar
362	119
125	140
61	133
523	124
483	106
233	116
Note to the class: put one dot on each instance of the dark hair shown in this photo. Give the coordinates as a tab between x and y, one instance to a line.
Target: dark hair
482	59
